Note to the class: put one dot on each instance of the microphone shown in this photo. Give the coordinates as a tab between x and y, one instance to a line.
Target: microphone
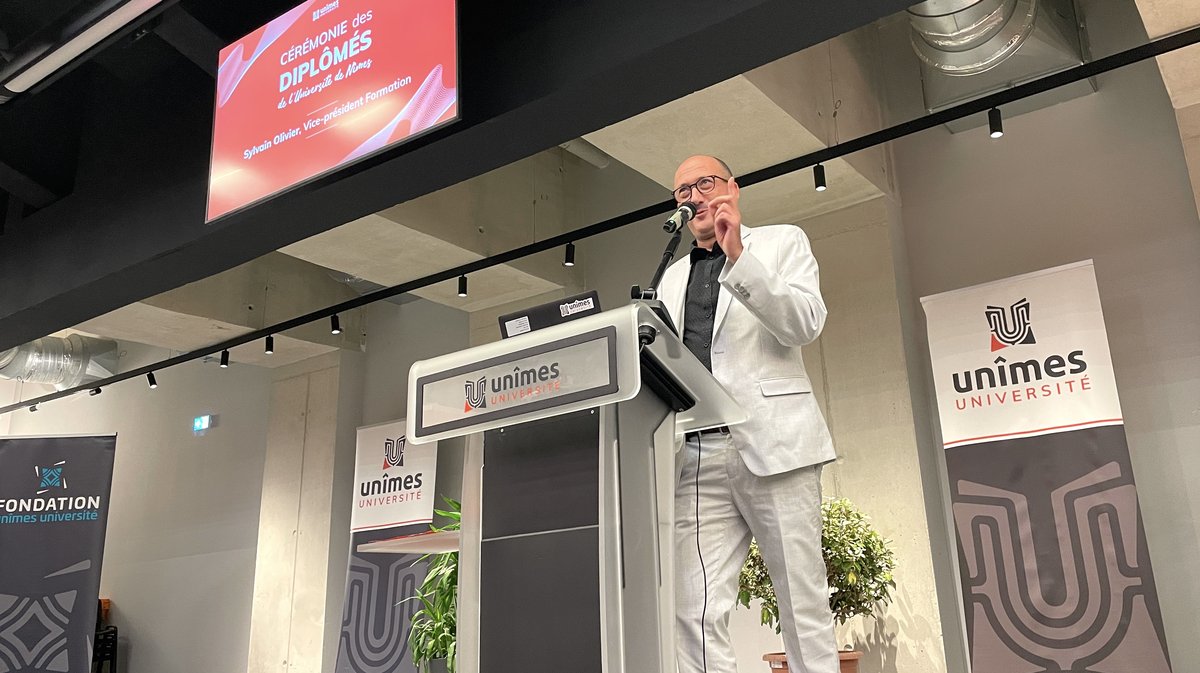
682	215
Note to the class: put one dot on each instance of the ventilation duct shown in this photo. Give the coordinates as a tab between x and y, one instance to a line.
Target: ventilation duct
970	48
362	286
62	362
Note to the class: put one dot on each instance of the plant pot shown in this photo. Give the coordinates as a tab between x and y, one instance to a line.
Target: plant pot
848	661
438	666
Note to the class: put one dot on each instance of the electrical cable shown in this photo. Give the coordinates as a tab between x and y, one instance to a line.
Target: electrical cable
700	555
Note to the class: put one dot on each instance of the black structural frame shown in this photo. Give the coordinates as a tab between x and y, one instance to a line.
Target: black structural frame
980	105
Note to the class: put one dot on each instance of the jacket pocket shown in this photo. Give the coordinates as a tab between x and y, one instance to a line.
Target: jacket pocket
789	385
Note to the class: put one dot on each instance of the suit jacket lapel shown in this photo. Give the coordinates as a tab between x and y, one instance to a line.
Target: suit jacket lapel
723	299
674	302
723	296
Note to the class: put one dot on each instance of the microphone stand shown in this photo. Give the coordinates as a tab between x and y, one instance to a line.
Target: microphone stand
649	296
667	257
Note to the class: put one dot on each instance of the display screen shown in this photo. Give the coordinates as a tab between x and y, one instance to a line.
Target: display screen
324	85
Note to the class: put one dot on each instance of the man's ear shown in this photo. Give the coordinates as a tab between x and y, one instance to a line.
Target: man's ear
734	189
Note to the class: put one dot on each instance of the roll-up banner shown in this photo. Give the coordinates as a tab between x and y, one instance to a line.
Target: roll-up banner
394	484
1055	570
54	494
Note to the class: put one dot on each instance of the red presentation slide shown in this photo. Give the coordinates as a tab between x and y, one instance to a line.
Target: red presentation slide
323	85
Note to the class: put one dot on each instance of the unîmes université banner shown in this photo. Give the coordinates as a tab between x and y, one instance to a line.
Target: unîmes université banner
394	491
1055	570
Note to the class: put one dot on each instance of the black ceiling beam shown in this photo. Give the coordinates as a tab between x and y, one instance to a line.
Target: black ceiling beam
527	85
1078	73
28	189
191	38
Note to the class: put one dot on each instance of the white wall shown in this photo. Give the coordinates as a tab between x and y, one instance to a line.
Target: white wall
179	553
613	261
398	336
863	384
1101	177
303	534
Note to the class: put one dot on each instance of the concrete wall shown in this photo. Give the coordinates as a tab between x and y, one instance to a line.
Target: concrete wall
10	391
179	554
613	261
1101	177
863	384
398	336
303	532
316	407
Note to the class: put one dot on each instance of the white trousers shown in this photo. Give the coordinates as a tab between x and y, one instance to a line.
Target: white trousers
783	513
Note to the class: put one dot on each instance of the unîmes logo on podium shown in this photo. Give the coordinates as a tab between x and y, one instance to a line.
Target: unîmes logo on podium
517	385
476	392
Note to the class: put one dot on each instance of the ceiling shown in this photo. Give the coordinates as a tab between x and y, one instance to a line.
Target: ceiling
40	130
1180	72
787	108
543	195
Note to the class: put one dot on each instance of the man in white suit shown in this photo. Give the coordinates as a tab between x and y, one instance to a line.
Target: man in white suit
746	300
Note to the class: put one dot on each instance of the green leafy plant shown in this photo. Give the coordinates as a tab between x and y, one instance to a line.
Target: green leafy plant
433	633
858	564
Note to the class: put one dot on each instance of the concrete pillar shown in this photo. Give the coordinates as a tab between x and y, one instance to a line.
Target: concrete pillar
303	533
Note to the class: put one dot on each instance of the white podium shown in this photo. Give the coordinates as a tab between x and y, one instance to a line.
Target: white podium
568	498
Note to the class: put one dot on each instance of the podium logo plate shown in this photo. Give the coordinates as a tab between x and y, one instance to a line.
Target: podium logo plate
521	386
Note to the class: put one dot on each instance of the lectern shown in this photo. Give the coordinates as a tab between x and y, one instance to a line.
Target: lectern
568	534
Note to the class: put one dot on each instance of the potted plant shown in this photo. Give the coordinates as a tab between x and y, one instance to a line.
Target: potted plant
433	633
858	564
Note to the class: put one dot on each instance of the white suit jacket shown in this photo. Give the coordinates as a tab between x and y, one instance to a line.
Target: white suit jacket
768	306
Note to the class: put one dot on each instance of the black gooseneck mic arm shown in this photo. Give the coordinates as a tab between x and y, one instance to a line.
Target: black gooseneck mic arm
674	225
651	292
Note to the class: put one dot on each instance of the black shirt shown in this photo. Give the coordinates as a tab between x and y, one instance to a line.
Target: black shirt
700	306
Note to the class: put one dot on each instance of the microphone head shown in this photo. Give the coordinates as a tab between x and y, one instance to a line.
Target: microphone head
682	215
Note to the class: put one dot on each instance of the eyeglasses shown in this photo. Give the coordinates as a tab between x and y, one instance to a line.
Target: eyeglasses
704	185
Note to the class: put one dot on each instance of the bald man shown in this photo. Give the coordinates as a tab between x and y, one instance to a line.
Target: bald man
747	300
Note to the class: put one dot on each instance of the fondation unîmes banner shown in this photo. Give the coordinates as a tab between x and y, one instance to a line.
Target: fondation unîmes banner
53	510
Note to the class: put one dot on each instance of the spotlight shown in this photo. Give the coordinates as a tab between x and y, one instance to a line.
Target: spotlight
995	122
819	177
94	391
335	326
569	259
150	379
32	408
462	285
270	344
224	359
